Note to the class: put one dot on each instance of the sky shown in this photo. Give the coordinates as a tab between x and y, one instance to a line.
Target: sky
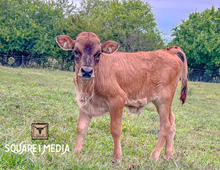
169	13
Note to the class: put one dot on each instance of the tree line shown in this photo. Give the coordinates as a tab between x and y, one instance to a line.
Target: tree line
199	37
28	29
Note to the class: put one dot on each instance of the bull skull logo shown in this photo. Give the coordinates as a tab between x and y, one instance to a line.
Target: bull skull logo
40	131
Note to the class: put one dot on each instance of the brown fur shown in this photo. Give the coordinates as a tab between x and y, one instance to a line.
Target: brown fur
128	79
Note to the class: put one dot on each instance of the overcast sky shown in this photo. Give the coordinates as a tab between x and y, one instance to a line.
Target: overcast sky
170	12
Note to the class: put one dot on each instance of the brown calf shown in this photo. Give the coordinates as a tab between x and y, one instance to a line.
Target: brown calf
107	80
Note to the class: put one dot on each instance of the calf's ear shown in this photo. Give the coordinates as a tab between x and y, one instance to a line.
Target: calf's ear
65	42
110	47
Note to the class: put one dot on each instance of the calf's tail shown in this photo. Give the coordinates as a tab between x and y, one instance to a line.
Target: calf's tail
184	80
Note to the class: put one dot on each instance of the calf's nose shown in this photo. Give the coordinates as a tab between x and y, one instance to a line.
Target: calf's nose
86	72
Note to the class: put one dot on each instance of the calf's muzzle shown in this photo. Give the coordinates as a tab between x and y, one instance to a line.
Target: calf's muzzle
86	73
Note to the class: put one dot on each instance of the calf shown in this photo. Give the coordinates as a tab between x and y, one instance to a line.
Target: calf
107	80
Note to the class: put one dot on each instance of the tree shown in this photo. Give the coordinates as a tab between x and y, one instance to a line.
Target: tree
68	8
199	36
29	28
129	22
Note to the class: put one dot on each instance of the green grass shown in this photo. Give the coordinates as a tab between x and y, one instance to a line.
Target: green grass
31	95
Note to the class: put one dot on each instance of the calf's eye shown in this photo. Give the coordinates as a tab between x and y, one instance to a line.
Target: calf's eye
98	56
75	52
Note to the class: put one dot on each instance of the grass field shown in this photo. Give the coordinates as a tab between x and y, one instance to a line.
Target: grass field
31	95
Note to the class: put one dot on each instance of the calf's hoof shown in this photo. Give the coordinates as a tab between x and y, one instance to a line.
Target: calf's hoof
116	159
77	152
154	157
168	155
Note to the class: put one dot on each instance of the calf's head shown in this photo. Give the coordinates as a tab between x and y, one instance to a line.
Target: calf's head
87	49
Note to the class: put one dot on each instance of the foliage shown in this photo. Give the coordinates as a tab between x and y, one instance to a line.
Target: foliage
199	36
131	23
11	60
29	27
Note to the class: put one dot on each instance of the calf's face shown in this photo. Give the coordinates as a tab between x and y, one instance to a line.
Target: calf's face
87	49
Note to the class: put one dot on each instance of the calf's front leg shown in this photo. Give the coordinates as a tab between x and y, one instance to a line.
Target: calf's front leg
115	128
82	128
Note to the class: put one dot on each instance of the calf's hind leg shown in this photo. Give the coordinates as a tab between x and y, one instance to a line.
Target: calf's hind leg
170	137
164	110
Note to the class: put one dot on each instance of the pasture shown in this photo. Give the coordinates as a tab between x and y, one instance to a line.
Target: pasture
33	95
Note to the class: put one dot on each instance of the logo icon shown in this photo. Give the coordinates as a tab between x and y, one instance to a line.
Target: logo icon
39	131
